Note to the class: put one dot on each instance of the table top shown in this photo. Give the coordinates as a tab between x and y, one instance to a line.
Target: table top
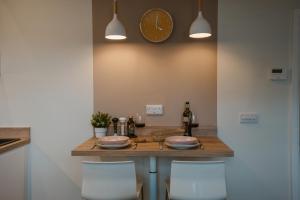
211	146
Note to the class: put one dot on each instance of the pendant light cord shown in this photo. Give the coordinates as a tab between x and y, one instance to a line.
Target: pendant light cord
115	7
200	5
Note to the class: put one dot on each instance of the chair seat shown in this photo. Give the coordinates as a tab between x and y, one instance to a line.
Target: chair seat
110	181
196	180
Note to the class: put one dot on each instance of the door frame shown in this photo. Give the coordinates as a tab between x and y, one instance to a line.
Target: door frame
294	139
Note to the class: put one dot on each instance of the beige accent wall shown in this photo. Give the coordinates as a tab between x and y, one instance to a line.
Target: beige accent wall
132	73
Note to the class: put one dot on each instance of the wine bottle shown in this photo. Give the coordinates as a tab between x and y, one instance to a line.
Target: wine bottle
187	119
131	127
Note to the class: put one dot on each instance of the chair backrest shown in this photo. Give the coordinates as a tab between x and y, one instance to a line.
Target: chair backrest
108	180
191	180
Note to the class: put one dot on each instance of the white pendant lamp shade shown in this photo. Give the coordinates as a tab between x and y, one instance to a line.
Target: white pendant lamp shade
115	29
200	28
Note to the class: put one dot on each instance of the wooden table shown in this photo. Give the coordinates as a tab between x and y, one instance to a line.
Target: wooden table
212	147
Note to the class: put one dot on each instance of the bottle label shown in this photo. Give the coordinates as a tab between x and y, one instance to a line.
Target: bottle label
185	119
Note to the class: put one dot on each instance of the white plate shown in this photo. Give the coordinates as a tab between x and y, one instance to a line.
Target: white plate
182	146
113	146
113	140
184	140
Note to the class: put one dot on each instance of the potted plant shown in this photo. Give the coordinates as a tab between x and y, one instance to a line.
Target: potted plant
100	121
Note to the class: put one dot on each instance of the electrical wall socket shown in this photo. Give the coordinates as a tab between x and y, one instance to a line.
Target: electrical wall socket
248	118
154	109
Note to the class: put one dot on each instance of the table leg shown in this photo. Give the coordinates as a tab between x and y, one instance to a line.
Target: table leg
152	178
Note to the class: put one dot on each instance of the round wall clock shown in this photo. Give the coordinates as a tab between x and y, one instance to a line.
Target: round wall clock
156	25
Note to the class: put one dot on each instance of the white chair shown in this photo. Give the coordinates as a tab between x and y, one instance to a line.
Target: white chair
110	181
197	180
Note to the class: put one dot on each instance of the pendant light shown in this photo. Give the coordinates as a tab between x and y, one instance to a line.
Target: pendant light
200	28
115	29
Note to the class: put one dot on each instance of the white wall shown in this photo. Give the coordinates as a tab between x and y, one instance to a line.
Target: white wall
294	106
254	36
46	83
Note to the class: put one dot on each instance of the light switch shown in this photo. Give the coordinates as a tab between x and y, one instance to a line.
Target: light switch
248	118
279	74
154	109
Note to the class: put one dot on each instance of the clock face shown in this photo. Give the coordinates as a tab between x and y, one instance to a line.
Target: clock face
156	25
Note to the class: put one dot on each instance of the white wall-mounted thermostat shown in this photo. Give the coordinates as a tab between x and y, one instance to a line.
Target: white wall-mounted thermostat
279	74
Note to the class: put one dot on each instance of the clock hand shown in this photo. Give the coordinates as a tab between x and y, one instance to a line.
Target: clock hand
157	24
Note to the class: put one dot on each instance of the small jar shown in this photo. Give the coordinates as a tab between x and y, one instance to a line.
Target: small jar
122	125
115	125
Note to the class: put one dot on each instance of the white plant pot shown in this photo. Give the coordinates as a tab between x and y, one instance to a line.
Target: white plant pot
100	132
